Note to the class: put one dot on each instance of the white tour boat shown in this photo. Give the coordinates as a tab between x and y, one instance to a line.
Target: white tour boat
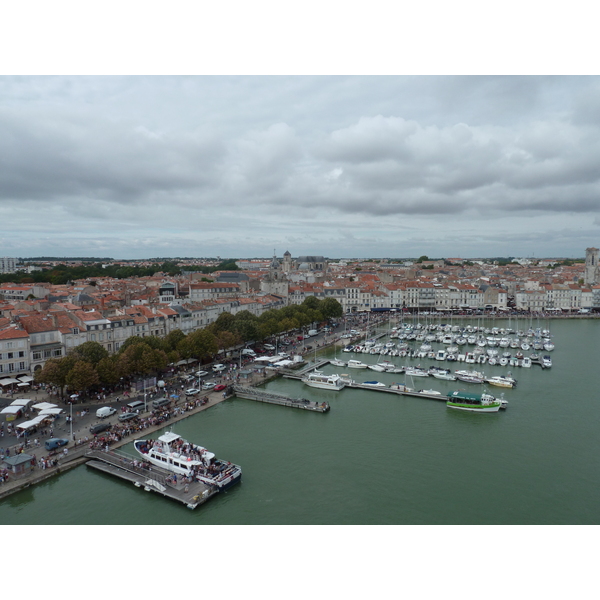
172	453
319	380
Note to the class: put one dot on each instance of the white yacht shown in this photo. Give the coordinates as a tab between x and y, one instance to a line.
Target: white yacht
373	383
171	452
356	364
319	380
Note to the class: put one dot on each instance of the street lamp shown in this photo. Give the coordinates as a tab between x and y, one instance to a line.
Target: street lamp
71	418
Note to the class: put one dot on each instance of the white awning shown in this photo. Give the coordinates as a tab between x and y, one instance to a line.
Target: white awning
32	423
51	411
22	384
21	402
8	381
11	410
44	405
26	378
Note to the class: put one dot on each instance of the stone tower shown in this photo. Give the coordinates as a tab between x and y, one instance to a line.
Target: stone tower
592	268
287	262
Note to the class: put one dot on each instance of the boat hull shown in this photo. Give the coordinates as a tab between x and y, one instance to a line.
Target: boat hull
487	409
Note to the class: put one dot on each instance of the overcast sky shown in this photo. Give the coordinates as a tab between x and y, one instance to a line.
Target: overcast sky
344	166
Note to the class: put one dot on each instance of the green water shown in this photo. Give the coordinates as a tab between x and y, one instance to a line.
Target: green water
378	458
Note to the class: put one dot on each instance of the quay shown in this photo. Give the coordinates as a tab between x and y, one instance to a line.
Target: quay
362	386
152	479
271	398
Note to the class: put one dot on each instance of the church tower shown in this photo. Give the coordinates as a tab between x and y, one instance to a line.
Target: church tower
592	269
287	263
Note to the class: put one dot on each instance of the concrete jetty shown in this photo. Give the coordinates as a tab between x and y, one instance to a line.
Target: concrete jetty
123	466
259	395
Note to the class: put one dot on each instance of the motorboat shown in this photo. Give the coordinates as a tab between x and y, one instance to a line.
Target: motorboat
374	384
322	381
473	402
172	453
416	372
336	362
400	387
546	361
377	368
502	381
356	364
469	376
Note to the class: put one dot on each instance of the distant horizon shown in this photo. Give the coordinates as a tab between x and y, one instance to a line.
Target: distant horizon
270	257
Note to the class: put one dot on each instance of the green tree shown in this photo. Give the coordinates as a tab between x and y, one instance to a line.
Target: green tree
311	302
173	338
55	372
202	344
82	377
331	309
109	371
91	352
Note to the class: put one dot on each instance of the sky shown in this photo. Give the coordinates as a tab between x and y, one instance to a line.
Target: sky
344	166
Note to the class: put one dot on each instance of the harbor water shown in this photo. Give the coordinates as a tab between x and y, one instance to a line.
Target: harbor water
379	458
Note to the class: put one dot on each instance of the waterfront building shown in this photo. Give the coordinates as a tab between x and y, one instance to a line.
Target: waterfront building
14	352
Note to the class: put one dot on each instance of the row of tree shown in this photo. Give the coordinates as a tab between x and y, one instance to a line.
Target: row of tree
89	366
61	274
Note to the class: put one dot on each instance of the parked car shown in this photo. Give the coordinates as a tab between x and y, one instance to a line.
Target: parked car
99	428
160	402
105	412
220	387
268	347
208	385
127	416
218	368
135	405
54	443
201	373
192	392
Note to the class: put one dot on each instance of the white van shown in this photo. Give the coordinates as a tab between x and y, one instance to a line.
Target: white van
312	333
248	352
105	411
218	368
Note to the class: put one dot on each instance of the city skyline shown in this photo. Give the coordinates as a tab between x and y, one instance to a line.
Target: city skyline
343	166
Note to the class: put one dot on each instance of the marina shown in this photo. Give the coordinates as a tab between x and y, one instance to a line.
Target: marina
265	440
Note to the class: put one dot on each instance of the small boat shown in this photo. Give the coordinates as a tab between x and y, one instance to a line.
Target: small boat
546	361
356	364
171	452
336	362
473	402
430	392
416	372
319	380
502	381
444	375
401	387
374	383
377	368
470	376
526	362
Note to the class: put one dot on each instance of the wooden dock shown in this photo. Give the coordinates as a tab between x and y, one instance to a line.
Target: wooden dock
152	479
259	395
